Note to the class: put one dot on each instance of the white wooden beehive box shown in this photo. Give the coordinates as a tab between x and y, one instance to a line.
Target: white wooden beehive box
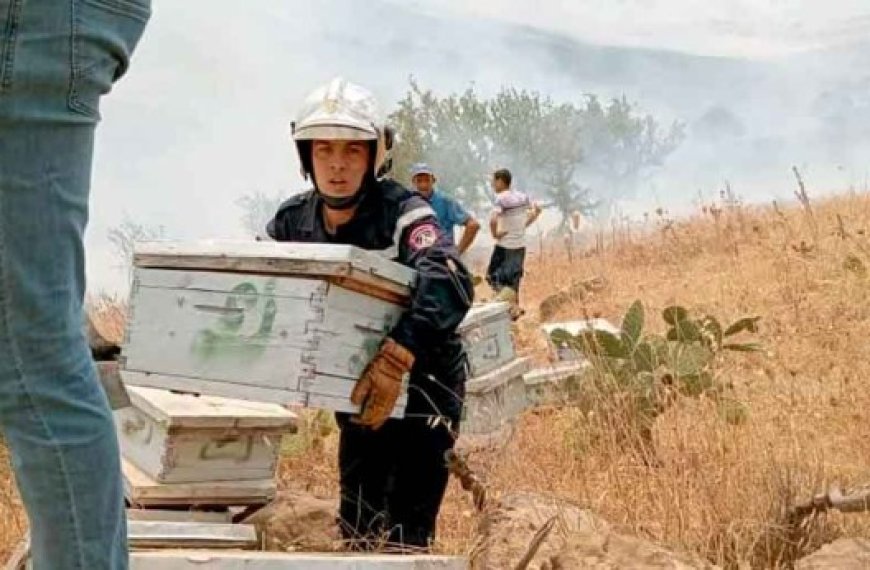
555	384
143	492
486	335
183	438
277	322
496	398
567	354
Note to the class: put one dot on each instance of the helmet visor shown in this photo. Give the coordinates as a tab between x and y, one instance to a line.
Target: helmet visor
311	132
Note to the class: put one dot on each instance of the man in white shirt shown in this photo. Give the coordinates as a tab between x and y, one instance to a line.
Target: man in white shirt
513	213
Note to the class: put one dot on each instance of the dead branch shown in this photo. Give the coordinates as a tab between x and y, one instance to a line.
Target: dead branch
804	199
458	466
858	502
536	543
841	228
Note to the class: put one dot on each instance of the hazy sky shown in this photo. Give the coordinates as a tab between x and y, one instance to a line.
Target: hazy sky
748	28
202	117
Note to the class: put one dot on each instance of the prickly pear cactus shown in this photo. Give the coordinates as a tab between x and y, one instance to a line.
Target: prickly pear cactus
650	371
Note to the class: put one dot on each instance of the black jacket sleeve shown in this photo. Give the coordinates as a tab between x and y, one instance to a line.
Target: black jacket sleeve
443	292
283	226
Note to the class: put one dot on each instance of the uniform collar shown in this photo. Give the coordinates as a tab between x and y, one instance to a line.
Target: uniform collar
312	220
312	210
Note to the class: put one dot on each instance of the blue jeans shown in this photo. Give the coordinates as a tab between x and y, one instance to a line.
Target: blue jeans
57	58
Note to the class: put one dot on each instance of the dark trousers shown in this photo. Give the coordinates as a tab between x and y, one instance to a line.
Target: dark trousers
506	268
392	481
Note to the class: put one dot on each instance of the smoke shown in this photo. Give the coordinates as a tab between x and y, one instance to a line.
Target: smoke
202	117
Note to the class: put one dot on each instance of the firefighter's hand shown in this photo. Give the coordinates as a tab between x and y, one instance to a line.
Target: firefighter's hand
378	388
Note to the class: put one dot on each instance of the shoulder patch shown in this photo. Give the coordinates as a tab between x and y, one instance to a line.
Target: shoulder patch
423	236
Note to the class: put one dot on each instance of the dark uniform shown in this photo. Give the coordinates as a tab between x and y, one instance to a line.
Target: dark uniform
393	479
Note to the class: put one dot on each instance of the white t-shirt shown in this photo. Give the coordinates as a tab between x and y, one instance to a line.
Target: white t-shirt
511	209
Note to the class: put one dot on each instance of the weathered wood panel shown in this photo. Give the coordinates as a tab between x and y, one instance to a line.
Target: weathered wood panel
165	534
351	331
143	491
296	288
181	455
495	399
552	384
353	267
486	335
166	515
110	378
567	354
253	337
244	334
515	368
209	412
201	560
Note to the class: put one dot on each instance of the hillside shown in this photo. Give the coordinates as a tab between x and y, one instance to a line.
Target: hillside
718	490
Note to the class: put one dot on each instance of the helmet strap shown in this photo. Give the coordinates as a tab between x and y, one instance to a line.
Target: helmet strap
343	202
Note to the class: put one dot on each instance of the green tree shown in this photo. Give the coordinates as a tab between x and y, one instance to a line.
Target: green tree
620	146
560	151
451	134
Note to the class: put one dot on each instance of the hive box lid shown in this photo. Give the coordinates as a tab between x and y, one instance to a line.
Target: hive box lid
209	412
576	327
500	376
485	312
345	265
192	559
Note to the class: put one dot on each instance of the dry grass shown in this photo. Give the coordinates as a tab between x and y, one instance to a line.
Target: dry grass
719	490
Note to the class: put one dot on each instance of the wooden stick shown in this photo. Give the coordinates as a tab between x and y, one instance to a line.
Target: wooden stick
536	543
834	499
458	466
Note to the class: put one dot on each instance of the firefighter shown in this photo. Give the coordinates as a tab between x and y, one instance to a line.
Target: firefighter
393	471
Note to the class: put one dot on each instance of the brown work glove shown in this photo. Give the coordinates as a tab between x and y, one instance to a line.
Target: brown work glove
378	388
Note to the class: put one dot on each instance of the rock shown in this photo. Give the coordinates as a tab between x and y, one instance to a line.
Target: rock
578	291
297	521
579	539
843	554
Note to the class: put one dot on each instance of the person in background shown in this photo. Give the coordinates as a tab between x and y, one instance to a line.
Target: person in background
57	60
449	211
513	213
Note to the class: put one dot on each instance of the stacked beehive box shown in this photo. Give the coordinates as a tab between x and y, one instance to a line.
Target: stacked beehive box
293	324
183	450
495	393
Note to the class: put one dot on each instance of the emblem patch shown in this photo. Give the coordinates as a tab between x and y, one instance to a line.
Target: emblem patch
423	236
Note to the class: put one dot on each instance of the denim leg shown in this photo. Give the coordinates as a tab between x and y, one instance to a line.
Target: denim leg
57	58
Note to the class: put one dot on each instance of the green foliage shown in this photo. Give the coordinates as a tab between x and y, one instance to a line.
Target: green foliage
853	264
649	371
632	324
555	149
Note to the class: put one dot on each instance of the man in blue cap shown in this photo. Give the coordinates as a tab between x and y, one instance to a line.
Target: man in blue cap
449	212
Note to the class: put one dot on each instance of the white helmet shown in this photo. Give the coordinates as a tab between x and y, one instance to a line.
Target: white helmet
341	110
